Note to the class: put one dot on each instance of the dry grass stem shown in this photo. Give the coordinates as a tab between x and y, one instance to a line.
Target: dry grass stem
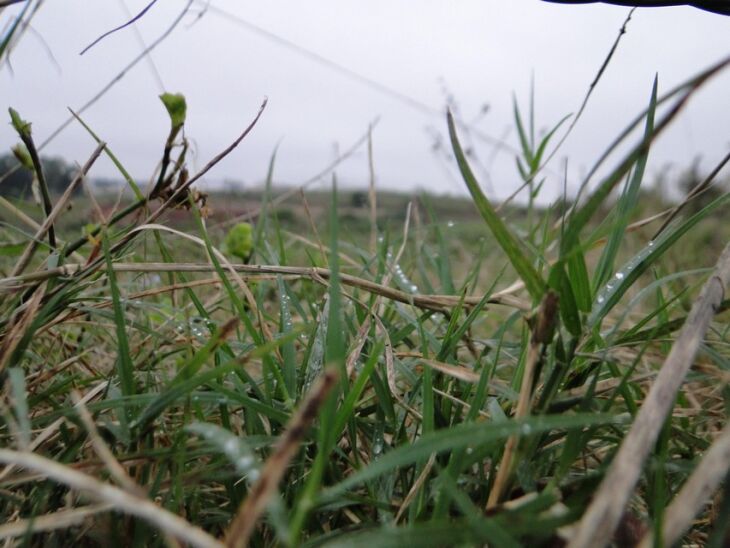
18	325
542	333
695	493
243	523
437	303
116	470
51	522
118	498
52	428
415	488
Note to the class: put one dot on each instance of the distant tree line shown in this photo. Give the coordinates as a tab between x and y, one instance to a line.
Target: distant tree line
17	180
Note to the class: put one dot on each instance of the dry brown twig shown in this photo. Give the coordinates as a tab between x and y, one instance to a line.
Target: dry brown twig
437	303
543	329
242	525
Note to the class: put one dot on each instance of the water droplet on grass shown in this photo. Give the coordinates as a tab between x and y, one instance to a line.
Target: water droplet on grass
244	463
230	446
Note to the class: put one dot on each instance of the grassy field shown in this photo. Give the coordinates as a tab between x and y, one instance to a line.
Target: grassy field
367	368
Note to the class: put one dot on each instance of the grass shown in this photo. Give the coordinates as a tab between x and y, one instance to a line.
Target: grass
564	381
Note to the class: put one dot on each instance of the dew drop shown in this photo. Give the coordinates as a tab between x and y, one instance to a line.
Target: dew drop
600	299
244	462
230	446
619	275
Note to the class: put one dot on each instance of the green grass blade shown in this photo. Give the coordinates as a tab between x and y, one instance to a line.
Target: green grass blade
10	32
348	407
181	386
533	282
583	215
630	272
179	390
488	530
286	326
20	405
120	167
334	356
569	313
429	534
460	437
125	367
627	202
578	278
525	143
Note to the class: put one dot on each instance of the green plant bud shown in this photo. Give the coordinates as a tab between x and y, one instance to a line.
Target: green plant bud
20	125
239	240
23	156
176	108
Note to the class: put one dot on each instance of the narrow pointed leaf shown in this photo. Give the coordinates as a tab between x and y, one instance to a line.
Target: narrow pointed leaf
533	282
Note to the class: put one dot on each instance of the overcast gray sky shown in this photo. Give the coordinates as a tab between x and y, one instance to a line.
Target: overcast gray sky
477	51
